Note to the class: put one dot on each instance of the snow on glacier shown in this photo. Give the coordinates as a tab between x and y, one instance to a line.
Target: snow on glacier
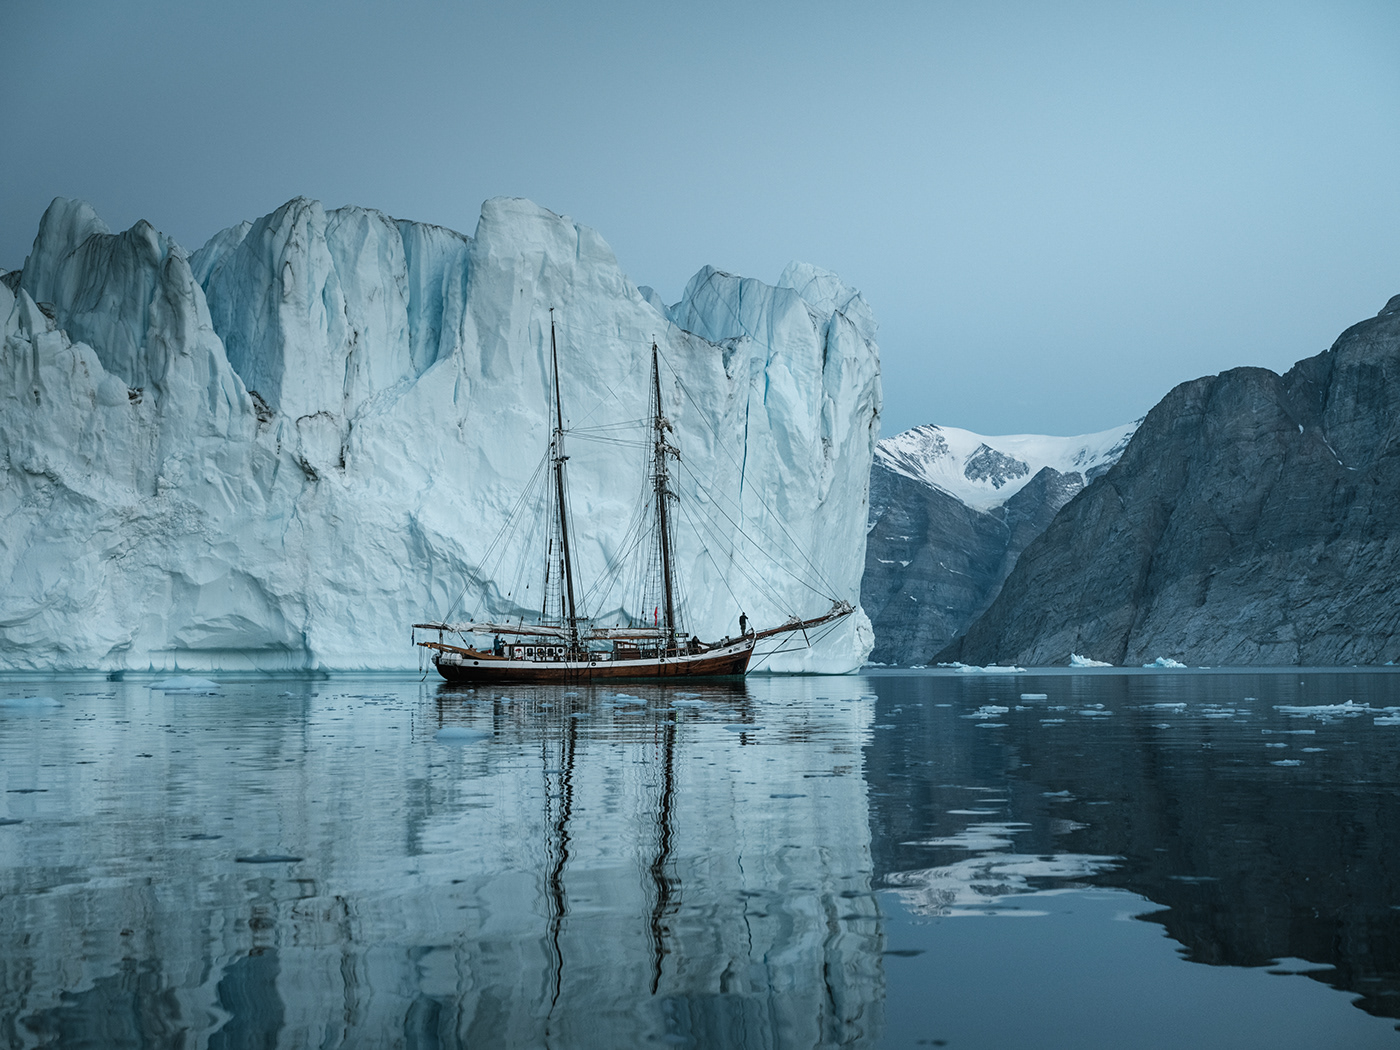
281	450
984	472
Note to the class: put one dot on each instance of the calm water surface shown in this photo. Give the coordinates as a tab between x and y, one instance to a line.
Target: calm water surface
1168	859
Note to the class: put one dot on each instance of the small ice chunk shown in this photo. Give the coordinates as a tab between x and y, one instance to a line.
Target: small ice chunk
185	684
29	702
1286	762
1035	696
988	711
459	735
687	703
1075	660
1350	709
1165	661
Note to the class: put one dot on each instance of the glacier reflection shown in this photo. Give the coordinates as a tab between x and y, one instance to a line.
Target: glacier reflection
588	869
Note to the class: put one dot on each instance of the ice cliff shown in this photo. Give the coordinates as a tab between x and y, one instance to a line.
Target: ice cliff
281	450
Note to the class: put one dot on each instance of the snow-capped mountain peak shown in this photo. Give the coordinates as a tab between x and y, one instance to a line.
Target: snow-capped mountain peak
984	472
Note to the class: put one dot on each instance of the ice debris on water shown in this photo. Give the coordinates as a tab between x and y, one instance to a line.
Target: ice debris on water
1035	696
686	703
989	669
1350	709
988	711
1286	762
1165	661
459	735
185	684
1075	660
29	702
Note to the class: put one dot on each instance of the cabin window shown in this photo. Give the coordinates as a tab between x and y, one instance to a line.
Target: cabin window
529	652
520	652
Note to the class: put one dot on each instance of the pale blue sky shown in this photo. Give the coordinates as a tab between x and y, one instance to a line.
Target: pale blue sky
1056	210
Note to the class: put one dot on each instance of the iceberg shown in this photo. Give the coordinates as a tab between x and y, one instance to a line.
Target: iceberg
1164	662
280	450
1075	660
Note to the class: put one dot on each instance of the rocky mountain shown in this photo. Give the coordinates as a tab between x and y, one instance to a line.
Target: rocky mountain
279	451
950	512
1253	519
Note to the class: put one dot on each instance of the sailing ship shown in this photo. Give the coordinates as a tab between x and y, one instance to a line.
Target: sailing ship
564	645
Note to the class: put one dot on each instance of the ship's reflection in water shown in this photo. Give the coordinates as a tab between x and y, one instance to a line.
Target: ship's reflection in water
517	867
811	862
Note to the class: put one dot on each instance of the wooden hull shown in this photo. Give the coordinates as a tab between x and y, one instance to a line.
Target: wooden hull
458	668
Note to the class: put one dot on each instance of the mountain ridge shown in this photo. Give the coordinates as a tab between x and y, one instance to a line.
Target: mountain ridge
1251	520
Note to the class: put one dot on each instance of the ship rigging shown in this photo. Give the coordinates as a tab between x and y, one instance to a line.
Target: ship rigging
564	644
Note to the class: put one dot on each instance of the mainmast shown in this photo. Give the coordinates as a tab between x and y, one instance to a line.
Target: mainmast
663	518
557	453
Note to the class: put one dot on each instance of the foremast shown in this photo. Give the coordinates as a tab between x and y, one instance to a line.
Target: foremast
660	473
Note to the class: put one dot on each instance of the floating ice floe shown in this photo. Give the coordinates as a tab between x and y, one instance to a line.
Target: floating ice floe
687	703
989	669
459	735
185	684
1075	660
1286	762
29	703
1165	661
1350	709
1035	696
978	885
988	711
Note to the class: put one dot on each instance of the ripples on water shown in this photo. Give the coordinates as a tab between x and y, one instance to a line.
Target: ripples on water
895	860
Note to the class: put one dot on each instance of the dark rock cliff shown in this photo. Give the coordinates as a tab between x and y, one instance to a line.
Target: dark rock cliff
932	563
1253	519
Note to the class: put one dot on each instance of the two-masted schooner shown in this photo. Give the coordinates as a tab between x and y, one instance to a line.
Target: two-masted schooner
566	646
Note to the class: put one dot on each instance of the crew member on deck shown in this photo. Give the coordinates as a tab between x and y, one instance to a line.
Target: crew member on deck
743	624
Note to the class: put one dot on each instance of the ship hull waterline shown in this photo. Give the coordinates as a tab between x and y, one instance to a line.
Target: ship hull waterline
731	662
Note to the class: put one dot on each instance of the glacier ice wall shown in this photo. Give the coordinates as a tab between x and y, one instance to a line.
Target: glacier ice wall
281	450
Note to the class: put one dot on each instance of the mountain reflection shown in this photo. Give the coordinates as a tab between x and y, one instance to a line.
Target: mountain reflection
1264	835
